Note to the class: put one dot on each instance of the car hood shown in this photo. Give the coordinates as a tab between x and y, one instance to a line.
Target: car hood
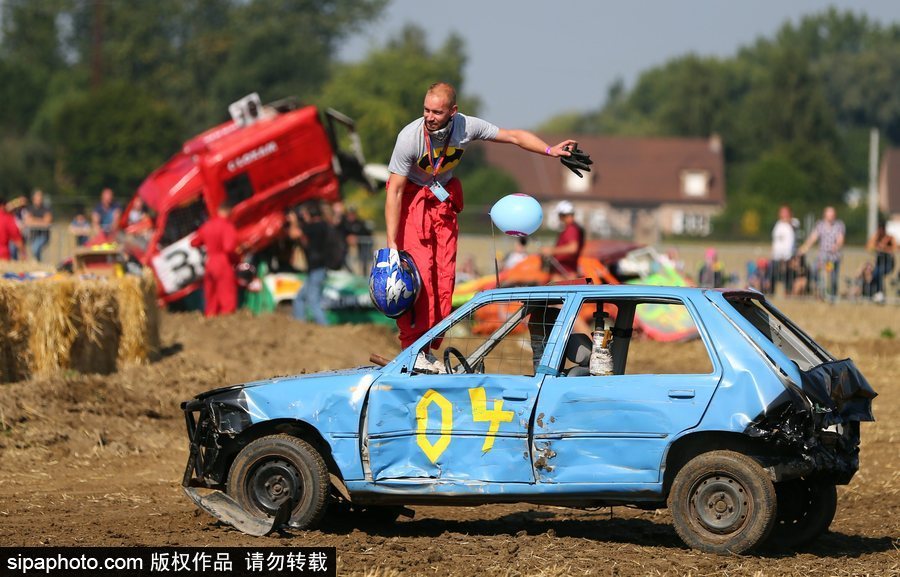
301	380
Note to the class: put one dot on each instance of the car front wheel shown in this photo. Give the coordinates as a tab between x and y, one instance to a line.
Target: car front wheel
276	468
722	502
805	511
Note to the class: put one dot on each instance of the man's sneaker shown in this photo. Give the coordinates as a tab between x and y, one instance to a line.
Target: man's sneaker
428	362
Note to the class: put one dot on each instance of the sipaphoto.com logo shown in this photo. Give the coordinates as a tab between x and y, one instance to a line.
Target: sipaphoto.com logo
252	156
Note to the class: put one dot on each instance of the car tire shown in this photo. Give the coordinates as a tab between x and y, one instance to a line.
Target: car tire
805	511
723	502
278	467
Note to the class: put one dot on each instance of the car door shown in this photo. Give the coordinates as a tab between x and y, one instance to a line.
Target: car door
463	427
615	428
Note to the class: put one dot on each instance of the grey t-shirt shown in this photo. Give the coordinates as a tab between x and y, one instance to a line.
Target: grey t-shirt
410	155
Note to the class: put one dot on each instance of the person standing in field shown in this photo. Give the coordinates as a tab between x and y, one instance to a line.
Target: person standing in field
311	233
105	217
423	197
37	219
884	246
829	233
783	244
219	236
569	244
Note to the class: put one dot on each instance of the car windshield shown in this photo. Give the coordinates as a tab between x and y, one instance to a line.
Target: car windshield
499	337
788	337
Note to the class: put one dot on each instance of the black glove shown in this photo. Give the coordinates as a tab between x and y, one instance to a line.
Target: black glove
580	160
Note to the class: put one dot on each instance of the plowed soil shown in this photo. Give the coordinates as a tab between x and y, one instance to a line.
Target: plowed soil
97	460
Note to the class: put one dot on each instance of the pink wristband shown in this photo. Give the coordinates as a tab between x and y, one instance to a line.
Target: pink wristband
547	152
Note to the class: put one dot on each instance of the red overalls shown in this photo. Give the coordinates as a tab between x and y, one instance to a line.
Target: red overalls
219	281
9	231
428	231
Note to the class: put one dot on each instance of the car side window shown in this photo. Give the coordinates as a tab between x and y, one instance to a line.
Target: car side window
640	338
653	354
506	337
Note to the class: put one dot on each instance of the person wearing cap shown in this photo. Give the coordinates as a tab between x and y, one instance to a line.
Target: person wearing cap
568	245
423	197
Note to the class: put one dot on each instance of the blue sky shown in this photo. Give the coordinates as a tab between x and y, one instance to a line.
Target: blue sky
530	60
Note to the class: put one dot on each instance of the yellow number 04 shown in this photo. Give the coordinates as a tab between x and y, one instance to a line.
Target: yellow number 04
480	414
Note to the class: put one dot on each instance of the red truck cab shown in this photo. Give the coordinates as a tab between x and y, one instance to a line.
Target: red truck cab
264	161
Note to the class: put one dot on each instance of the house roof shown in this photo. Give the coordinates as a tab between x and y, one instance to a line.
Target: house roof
627	171
889	199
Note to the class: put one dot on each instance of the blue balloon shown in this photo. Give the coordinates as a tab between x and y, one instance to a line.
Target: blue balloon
517	214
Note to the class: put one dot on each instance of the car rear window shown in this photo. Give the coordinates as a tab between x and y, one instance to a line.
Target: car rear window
777	328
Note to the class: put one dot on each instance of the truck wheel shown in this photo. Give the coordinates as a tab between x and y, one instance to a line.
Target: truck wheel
278	467
805	511
722	502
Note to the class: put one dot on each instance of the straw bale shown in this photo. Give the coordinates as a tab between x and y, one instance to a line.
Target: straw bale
139	318
14	332
98	330
68	323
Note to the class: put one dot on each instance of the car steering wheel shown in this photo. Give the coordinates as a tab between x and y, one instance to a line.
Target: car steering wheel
462	360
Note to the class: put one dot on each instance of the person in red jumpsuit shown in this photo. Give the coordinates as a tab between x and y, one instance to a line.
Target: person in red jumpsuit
9	233
219	236
569	244
423	197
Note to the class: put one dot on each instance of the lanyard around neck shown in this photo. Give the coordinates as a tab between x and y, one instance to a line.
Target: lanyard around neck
436	165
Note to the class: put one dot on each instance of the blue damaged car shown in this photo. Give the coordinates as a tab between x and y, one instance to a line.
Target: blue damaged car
743	431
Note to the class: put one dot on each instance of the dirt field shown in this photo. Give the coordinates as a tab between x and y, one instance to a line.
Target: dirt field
90	460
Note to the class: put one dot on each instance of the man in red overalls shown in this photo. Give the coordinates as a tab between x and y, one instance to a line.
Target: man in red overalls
9	233
423	197
219	236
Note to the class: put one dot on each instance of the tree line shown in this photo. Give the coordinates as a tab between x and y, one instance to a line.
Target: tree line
794	112
100	92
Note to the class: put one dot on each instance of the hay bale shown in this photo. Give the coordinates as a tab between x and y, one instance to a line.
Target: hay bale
66	323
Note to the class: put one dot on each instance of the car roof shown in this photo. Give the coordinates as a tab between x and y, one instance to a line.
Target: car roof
615	290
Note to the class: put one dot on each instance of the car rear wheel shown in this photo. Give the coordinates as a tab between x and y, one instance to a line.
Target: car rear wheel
722	502
276	468
805	511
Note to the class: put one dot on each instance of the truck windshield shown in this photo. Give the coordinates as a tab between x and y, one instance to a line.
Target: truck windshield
784	334
183	220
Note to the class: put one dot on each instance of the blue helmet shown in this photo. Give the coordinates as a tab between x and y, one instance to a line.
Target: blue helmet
394	282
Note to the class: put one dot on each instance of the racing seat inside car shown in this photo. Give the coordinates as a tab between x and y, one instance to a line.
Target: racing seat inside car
578	351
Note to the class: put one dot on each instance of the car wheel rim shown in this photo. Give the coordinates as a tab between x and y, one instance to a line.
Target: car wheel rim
272	482
721	504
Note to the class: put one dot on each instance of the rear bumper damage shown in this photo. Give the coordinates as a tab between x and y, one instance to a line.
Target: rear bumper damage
816	435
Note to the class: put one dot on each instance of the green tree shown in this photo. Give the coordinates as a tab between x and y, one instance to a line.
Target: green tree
285	47
104	142
384	92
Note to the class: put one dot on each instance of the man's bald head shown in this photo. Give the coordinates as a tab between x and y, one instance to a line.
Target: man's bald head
445	91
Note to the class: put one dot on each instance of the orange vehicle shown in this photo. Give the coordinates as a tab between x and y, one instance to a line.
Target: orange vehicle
265	160
602	262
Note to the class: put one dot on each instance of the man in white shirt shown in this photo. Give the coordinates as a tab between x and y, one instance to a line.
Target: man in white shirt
783	239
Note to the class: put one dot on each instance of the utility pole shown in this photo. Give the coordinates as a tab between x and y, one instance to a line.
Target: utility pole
97	45
872	221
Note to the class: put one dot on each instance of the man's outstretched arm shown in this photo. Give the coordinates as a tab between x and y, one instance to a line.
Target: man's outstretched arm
531	142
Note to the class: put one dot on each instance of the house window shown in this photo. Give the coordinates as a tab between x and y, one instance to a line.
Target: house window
693	224
697	224
695	183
